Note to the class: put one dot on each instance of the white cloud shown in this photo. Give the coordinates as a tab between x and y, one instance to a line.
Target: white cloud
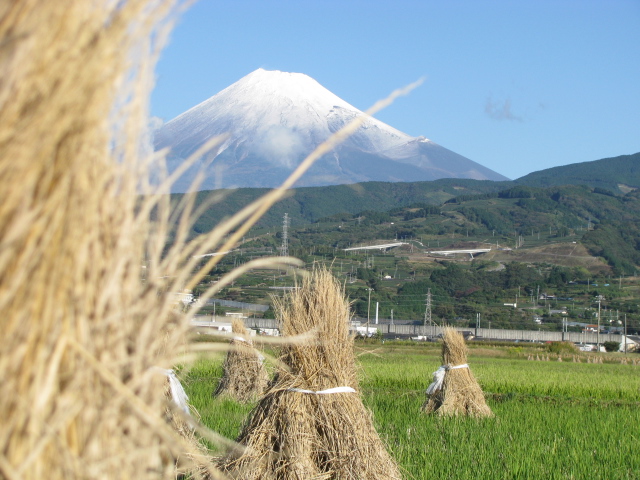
155	123
501	110
282	145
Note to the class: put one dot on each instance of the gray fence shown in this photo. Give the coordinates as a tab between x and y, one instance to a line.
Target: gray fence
481	333
252	307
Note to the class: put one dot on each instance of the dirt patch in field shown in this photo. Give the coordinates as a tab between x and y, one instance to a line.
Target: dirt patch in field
565	254
626	188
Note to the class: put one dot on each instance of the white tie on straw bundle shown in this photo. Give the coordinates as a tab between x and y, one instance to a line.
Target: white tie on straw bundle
438	377
324	392
178	395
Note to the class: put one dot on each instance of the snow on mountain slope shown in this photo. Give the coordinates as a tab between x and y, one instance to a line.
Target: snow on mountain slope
275	119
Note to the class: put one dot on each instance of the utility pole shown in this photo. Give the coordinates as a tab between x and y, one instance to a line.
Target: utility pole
368	309
392	316
598	338
625	333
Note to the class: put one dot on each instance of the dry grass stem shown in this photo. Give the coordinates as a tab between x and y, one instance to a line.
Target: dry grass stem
460	393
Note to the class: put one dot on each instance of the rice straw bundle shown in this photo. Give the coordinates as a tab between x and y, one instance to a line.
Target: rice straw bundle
459	392
301	428
244	375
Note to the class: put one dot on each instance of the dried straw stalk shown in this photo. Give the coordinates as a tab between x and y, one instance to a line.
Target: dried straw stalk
294	435
83	324
244	375
460	393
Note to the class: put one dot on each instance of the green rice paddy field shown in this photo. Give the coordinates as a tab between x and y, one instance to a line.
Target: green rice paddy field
553	420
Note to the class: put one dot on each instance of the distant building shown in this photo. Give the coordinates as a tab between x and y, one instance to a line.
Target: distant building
185	297
272	332
632	341
365	331
468	335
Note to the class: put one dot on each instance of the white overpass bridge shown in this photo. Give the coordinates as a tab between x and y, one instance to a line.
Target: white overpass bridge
470	251
387	246
383	246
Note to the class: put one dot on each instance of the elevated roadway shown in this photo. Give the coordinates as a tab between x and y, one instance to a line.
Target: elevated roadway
383	246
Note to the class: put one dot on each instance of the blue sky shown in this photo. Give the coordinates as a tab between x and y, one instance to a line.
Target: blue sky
517	86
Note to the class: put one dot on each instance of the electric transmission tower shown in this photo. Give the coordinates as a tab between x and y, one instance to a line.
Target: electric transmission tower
427	310
284	248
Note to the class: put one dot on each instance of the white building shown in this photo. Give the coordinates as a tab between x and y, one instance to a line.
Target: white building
632	342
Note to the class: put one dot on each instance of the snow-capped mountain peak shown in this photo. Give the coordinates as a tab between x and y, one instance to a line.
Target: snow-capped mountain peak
276	118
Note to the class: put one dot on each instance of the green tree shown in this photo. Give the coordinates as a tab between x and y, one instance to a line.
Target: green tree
611	346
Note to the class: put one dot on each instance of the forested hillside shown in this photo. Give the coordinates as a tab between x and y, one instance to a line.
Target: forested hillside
558	239
606	224
614	176
571	242
603	221
618	174
307	205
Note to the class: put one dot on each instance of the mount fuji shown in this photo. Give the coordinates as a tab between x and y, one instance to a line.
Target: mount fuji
274	119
